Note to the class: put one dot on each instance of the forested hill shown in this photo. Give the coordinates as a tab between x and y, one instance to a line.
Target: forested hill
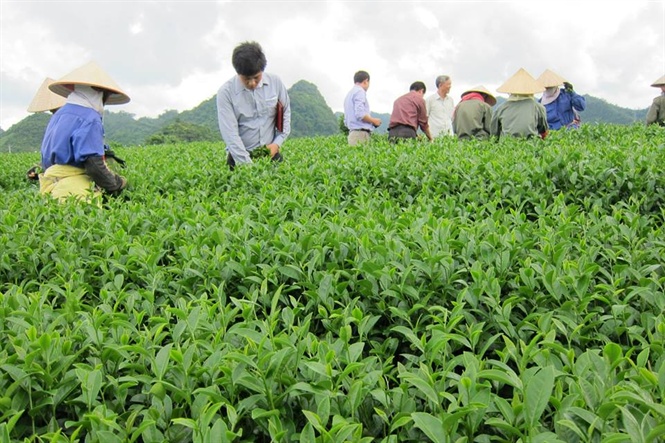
311	116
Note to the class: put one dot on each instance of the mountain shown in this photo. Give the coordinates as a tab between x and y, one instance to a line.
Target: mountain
310	116
26	135
600	111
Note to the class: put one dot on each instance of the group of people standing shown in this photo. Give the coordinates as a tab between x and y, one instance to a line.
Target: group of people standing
522	115
254	116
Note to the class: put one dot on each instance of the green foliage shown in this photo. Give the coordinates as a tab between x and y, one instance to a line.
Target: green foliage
599	111
26	135
446	291
310	115
121	127
342	125
181	132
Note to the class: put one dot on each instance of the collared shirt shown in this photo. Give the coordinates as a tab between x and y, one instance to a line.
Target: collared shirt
73	134
440	114
247	117
356	107
409	110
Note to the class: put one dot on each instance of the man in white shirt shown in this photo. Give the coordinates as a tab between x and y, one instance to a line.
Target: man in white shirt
440	107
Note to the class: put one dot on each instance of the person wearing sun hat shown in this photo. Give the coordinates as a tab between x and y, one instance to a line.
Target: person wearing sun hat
521	115
656	113
562	105
44	101
73	149
473	115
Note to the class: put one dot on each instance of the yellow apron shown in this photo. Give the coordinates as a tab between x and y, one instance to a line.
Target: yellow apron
63	181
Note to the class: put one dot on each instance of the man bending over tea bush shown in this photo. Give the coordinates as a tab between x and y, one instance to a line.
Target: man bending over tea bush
253	108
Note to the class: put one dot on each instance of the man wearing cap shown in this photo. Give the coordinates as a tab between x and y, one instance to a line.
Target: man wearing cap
562	105
253	108
656	113
473	115
357	116
440	107
73	149
409	114
521	115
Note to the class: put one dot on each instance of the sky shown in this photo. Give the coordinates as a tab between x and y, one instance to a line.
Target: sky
172	55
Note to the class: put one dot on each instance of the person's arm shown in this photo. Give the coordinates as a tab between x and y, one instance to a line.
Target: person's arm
280	137
541	121
652	114
495	126
578	101
487	119
423	121
361	111
228	127
96	168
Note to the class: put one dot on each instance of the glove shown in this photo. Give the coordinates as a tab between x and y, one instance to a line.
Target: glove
108	153
568	87
33	173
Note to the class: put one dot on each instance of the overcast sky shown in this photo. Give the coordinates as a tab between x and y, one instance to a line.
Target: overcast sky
175	54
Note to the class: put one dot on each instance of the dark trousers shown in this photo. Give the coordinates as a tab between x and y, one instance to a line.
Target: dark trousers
232	163
401	131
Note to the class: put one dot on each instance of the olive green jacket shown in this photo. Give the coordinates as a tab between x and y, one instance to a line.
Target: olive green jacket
656	114
519	118
472	119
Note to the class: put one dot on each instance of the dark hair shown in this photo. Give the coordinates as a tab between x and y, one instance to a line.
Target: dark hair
360	76
248	59
418	86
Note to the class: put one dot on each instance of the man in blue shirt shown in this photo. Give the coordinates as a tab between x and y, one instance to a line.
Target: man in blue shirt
357	116
253	108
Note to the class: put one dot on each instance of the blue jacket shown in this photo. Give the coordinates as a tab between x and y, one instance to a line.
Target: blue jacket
73	134
560	112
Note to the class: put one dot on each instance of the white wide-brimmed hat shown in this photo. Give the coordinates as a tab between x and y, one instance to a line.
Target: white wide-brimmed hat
658	83
45	100
550	79
92	75
489	98
521	83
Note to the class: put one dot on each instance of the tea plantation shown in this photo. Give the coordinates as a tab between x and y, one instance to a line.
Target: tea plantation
445	292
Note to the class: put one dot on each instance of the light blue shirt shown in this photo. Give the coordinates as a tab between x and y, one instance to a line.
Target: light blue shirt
247	117
356	107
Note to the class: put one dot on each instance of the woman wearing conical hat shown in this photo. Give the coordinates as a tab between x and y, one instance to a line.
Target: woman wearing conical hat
521	115
44	101
562	105
73	149
473	115
656	113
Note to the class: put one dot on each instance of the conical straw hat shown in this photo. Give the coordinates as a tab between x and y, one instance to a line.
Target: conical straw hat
521	83
92	75
550	79
45	100
490	99
658	83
